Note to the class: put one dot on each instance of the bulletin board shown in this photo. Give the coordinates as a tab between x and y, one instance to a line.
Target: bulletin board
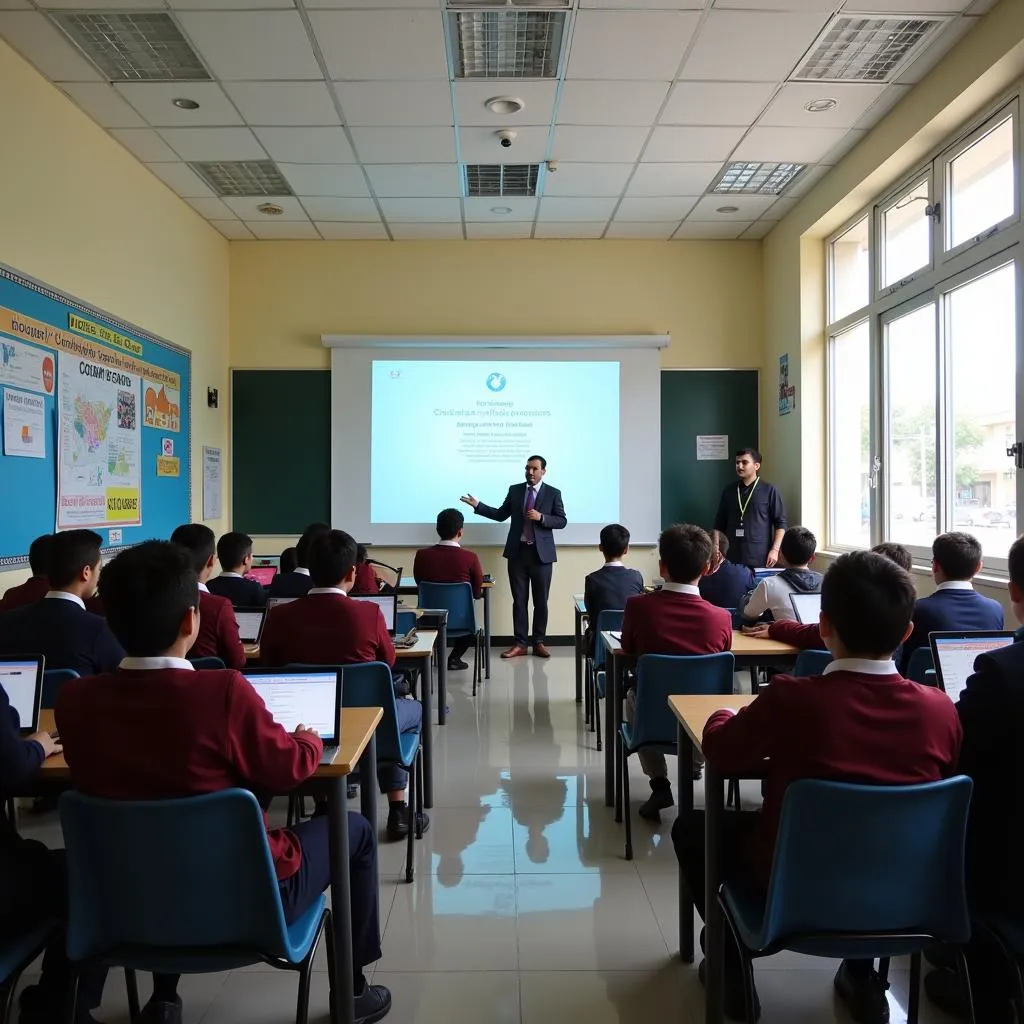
95	422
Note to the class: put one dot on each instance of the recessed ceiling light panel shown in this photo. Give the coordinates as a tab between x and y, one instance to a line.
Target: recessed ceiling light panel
820	106
755	178
506	43
243	178
504	105
183	103
501	180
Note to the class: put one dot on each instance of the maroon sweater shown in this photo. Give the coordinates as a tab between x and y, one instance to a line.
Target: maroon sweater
218	632
669	623
803	635
444	563
33	589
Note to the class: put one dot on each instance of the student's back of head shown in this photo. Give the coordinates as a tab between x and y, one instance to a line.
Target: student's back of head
684	551
957	556
332	558
288	560
233	549
449	522
309	534
147	592
39	554
798	546
69	554
614	541
198	540
895	553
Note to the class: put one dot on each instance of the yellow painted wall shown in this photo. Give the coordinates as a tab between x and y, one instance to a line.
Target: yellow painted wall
80	213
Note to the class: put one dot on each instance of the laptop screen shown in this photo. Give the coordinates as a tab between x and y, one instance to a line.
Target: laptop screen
385	602
293	697
262	574
21	678
955	653
806	607
249	622
274	602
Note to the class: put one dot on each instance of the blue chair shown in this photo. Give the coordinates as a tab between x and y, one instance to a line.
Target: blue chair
658	677
209	662
596	673
859	872
181	887
53	680
16	954
811	663
931	678
458	599
406	620
920	661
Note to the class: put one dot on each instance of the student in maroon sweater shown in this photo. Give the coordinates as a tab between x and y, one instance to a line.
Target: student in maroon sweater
218	628
366	578
859	721
449	562
35	587
205	731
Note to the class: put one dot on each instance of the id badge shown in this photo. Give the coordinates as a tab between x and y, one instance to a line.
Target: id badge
739	532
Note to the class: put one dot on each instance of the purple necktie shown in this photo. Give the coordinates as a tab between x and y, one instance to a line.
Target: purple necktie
531	501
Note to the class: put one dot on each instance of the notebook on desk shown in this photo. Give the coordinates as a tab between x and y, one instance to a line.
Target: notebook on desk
311	697
21	676
954	654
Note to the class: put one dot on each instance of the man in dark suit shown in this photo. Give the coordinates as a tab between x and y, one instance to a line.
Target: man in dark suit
35	587
611	586
234	552
59	627
535	510
727	583
298	582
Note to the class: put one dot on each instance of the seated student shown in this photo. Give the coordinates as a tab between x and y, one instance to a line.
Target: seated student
297	582
611	586
366	579
234	552
204	731
328	628
772	594
449	562
867	724
35	587
956	560
218	629
727	583
288	561
673	620
59	627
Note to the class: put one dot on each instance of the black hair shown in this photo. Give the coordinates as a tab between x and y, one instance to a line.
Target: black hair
685	550
720	539
895	553
39	554
449	522
539	458
798	545
754	454
233	549
362	553
332	555
146	592
309	534
1015	562
958	555
614	540
197	539
288	560
69	553
869	600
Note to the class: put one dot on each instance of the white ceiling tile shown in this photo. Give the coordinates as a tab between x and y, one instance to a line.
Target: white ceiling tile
145	144
103	104
646	209
748	208
245	207
645	5
182	179
538	100
103	5
213	143
283	103
780	208
807	180
736	103
325	179
334	230
247	45
372	45
480	208
212	209
324	209
725	230
893	94
587	102
597	144
15	5
750	45
234	229
692	145
405	145
852	100
756	230
981	7
805	6
153	101
313	4
794	145
231	5
421	210
587	179
630	44
35	37
571	229
401	231
909	6
306	145
569	209
415	180
849	139
283	230
481	146
395	103
642	229
672	179
504	229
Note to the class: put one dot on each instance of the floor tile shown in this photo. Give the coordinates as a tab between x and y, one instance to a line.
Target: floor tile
453	998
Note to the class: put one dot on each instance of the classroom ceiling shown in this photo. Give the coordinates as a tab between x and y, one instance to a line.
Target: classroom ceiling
369	119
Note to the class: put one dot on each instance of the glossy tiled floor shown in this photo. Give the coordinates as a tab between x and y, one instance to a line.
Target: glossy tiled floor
523	910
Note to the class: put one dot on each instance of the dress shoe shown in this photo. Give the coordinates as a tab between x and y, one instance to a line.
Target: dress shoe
398	821
515	651
863	994
160	1011
457	665
540	651
372	1004
660	798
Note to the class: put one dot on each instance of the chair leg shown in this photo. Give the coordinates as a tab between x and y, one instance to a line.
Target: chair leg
749	992
411	818
331	974
625	801
965	983
587	713
746	962
71	1006
419	794
733	797
914	997
597	716
7	998
302	1001
131	983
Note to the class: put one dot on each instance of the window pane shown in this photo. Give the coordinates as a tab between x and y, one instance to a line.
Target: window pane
981	184
850	437
906	235
850	281
910	476
982	329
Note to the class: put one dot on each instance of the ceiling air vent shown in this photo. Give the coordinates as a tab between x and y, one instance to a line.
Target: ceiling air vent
497	41
866	49
133	46
243	178
502	179
755	179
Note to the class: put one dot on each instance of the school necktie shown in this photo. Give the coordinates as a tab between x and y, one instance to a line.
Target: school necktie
531	501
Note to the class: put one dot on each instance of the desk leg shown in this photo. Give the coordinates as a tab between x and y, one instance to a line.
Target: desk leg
684	797
341	898
427	735
368	784
578	636
714	810
487	632
442	672
611	779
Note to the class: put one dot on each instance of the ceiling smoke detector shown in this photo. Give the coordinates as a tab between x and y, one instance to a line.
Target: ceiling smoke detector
504	105
183	103
270	209
820	106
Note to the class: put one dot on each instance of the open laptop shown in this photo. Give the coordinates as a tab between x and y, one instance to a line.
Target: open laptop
21	676
250	624
387	603
954	653
276	602
311	697
806	607
262	574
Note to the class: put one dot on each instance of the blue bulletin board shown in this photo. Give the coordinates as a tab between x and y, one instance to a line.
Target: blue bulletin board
95	423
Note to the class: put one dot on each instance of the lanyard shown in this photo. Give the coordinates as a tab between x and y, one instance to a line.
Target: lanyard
743	504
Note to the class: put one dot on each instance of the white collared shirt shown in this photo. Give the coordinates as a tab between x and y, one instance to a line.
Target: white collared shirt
204	588
681	588
326	590
448	544
63	595
148	664
233	575
301	571
865	666
615	562
956	585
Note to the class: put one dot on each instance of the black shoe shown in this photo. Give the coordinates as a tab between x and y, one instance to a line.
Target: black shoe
351	791
38	1006
864	995
457	665
733	1005
160	1011
943	989
372	1004
660	798
401	688
398	821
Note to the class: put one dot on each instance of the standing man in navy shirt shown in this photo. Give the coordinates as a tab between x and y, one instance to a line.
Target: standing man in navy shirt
751	514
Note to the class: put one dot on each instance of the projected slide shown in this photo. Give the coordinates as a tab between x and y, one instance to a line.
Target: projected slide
441	428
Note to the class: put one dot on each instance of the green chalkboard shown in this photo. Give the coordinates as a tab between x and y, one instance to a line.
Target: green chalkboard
701	402
281	450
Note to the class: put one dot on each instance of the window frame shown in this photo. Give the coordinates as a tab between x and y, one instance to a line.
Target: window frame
923	175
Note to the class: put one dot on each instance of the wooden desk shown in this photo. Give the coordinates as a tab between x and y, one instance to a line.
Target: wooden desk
579	612
423	652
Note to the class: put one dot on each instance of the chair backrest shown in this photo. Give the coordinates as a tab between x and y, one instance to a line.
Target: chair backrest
609	619
389	575
920	661
404	621
457	598
852	859
207	662
660	676
811	663
53	680
190	873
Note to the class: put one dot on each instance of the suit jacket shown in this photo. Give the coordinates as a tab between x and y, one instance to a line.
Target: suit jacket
549	504
32	590
218	632
608	589
445	563
326	629
950	609
666	622
64	633
290	584
728	585
242	593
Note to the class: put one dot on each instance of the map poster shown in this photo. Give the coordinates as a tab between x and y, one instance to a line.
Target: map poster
25	366
162	406
100	454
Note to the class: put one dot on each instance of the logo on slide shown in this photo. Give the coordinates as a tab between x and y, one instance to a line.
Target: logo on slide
496	382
